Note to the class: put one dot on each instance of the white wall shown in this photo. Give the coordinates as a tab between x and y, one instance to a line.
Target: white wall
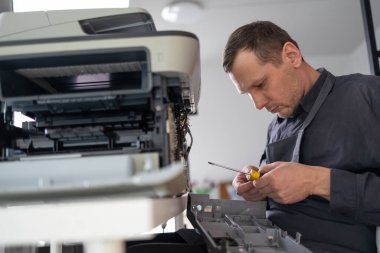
360	59
227	130
338	64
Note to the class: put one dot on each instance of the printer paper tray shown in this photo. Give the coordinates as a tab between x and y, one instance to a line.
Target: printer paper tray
238	226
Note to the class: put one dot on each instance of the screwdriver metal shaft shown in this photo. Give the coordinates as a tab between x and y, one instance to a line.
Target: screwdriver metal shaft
228	168
253	174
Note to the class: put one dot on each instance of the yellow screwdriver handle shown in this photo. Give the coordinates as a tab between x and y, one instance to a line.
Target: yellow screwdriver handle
254	175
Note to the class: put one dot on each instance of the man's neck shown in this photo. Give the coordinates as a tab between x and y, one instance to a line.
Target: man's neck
310	76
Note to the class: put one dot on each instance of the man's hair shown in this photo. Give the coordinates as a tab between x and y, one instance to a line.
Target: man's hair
264	38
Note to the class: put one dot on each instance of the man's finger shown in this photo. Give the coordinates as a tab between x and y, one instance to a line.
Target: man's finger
268	167
242	188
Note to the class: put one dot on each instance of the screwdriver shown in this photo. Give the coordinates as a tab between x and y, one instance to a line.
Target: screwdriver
253	174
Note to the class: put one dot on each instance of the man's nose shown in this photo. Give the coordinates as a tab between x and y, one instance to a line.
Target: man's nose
259	100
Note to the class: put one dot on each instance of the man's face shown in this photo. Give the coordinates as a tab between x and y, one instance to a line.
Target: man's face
275	88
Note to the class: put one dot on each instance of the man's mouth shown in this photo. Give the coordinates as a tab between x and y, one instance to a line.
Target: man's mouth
273	109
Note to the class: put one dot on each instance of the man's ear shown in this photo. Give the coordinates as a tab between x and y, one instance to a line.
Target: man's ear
291	54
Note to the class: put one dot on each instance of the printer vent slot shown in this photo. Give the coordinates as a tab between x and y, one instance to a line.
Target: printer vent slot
80	70
130	23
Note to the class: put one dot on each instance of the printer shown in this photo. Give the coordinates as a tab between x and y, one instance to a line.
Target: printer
109	99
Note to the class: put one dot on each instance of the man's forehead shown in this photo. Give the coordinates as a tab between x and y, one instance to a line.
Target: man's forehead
247	66
245	54
245	61
238	85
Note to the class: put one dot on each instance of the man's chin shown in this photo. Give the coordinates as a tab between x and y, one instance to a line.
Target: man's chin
281	116
284	115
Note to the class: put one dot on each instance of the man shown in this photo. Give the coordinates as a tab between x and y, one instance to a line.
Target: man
321	168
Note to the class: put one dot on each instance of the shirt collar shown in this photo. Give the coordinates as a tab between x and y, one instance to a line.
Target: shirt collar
308	100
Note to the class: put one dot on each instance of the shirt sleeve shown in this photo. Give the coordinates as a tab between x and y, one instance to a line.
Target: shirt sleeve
355	192
356	195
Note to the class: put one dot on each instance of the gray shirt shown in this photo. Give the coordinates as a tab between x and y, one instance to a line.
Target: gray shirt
344	136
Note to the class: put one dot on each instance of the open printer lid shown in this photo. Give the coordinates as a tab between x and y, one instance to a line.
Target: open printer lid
35	39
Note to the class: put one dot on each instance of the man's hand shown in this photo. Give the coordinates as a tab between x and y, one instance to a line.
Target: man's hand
288	183
245	188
